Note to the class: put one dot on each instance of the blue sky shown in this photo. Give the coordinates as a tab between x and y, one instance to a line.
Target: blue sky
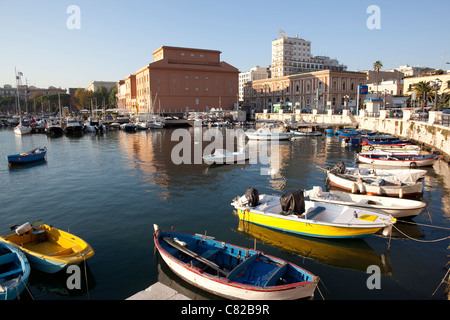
116	38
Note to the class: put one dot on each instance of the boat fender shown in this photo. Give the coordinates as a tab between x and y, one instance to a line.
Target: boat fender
23	229
387	231
354	188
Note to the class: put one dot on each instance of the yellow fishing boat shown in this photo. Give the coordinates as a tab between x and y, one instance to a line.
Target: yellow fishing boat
49	249
291	213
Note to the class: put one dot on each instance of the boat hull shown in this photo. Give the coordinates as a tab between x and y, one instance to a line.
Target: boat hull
231	158
398	162
306	228
269	136
27	157
14	279
21	130
306	133
230	289
397	208
51	256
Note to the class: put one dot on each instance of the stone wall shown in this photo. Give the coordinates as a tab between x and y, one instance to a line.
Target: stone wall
431	135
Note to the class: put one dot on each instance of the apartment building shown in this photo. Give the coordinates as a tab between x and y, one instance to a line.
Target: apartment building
293	55
255	73
179	80
319	90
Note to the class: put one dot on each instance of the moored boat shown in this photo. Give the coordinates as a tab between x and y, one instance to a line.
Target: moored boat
269	131
48	249
128	127
291	213
223	156
231	271
14	272
27	157
399	159
72	125
397	208
390	147
22	129
391	183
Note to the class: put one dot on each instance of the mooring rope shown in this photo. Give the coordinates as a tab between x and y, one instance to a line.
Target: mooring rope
409	237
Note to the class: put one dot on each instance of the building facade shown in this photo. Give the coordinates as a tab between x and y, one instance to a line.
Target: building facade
180	80
319	90
413	71
255	73
95	85
293	55
27	92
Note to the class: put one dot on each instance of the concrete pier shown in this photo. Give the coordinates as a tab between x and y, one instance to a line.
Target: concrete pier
158	291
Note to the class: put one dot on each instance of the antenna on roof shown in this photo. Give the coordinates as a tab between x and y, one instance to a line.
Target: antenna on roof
282	34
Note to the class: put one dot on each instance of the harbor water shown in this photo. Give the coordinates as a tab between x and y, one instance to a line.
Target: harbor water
110	189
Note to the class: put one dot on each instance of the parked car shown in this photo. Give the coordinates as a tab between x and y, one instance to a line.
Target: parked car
420	114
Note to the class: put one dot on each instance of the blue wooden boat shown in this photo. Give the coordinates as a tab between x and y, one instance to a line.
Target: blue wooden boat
28	157
14	272
231	271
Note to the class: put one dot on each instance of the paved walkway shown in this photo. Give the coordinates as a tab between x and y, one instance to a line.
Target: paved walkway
158	291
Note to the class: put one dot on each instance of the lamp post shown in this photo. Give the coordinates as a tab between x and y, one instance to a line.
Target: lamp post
435	85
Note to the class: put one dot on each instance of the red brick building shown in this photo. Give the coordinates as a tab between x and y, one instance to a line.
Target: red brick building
179	80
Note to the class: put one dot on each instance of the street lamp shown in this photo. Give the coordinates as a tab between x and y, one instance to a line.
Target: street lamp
435	85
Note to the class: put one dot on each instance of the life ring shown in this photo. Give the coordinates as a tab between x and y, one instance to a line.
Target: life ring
413	164
371	148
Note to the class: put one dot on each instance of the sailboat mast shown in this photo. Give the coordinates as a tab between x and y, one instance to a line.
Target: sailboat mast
18	98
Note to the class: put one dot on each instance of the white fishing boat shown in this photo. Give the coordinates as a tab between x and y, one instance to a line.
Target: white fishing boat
390	148
398	208
269	131
394	175
21	129
223	156
400	159
291	213
374	185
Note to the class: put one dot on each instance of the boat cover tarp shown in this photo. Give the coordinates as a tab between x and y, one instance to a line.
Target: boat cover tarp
338	168
293	202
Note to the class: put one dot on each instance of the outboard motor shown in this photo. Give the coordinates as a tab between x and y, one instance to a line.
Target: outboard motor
252	196
23	229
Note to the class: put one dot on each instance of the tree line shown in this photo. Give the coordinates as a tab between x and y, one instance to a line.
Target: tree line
39	103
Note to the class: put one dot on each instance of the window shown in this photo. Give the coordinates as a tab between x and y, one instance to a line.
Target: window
197	101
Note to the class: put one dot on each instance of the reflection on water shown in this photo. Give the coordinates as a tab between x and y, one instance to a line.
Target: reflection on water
354	254
110	189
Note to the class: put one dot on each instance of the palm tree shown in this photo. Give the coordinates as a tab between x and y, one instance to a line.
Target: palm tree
377	65
419	88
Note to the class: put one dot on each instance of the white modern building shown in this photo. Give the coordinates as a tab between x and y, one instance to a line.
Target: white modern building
293	55
94	86
255	73
413	71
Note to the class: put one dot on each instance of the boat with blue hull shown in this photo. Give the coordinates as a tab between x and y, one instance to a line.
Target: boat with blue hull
27	157
231	271
14	272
